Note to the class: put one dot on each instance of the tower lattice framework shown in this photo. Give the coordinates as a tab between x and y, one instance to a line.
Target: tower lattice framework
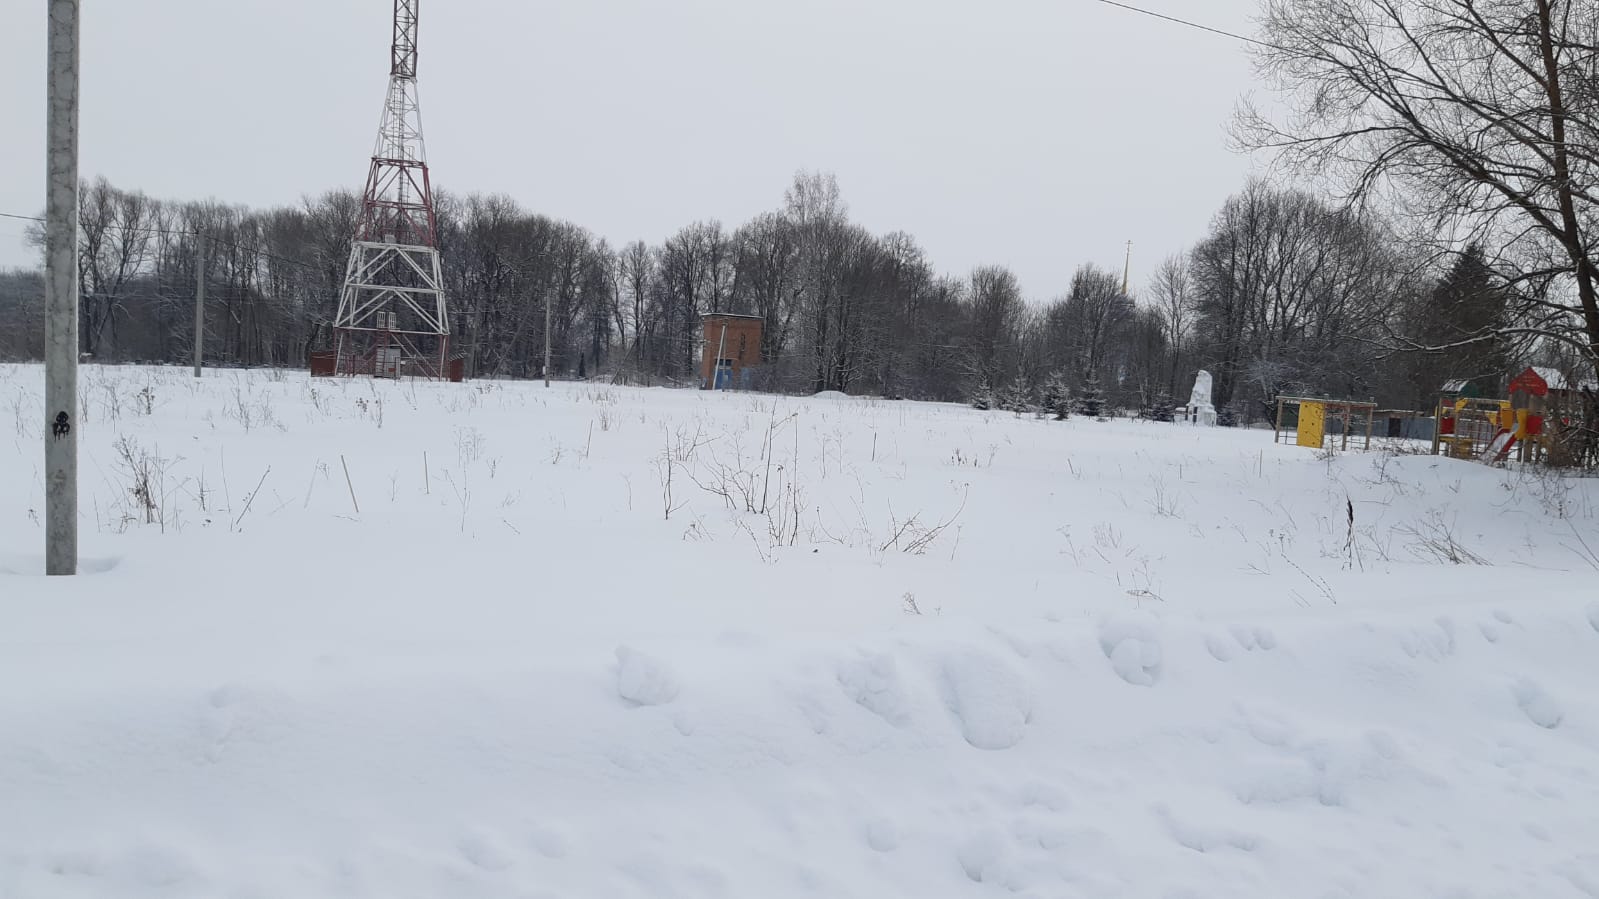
392	318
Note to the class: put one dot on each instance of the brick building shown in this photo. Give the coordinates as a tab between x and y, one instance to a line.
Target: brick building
730	351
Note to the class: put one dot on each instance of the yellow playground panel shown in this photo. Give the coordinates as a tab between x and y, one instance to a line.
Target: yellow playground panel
1312	424
1309	421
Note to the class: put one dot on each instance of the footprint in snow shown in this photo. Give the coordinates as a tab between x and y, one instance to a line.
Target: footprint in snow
992	702
550	842
874	682
1253	638
1539	707
485	851
643	680
882	835
1219	649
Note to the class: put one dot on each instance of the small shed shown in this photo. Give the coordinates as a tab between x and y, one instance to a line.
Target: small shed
731	350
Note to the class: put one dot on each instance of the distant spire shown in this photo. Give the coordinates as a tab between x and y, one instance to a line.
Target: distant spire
1127	272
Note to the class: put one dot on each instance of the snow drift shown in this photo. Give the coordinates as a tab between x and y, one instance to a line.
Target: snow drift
604	642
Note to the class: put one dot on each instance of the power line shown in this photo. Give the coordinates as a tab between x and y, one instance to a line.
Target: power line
1186	23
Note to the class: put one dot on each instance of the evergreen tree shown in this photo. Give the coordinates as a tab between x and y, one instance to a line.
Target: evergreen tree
983	397
1161	409
1092	401
1017	396
1456	325
1057	399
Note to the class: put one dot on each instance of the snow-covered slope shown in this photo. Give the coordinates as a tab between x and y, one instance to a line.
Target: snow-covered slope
959	654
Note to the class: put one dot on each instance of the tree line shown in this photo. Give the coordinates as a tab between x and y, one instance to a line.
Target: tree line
1286	293
1431	224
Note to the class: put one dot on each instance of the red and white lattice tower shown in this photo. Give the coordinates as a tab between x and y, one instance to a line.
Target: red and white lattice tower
392	318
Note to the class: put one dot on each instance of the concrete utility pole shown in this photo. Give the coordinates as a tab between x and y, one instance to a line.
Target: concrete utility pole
1127	271
199	300
61	293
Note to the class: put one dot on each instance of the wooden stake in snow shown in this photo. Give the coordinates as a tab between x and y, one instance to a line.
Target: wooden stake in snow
250	499
349	484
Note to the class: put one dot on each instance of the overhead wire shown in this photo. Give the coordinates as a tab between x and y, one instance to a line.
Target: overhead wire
1186	23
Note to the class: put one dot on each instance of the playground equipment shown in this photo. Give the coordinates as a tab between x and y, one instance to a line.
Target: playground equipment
1308	421
1474	428
1537	423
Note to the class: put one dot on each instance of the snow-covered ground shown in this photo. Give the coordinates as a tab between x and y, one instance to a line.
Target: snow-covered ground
539	645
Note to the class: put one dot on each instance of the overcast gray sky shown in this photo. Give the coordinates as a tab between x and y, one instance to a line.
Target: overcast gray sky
1038	134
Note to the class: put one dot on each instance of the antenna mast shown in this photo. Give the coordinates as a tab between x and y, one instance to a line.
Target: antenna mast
392	318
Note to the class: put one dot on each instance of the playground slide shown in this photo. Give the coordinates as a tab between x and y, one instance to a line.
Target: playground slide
1499	448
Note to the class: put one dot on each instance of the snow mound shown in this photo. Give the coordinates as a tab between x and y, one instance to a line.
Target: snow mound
990	700
643	680
830	395
1132	645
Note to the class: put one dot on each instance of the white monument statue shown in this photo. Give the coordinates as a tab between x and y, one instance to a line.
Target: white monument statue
1200	411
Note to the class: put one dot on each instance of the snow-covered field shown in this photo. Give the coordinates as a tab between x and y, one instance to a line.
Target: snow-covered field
547	643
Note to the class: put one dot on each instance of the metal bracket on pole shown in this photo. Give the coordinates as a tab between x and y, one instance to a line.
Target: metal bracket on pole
61	293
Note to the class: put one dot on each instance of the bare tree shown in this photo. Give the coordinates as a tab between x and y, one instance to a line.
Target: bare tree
1478	117
995	301
1173	299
